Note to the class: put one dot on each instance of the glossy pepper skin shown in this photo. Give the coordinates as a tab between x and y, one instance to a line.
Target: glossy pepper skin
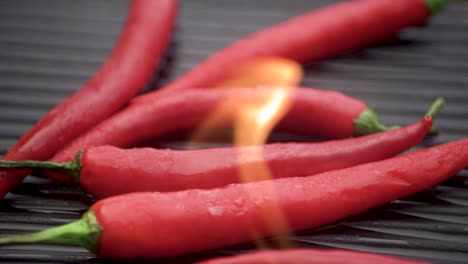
176	223
143	40
313	112
320	33
309	256
104	171
329	34
107	171
155	224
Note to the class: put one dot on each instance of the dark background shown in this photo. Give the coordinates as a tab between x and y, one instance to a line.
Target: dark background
49	48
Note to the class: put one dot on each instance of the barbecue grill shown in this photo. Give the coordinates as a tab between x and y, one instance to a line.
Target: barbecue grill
49	48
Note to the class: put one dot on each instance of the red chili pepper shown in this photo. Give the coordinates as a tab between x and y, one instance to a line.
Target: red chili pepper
329	34
131	64
156	224
309	256
313	112
105	171
318	34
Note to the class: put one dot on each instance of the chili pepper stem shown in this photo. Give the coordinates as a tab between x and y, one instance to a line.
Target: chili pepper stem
433	110
369	122
435	5
71	168
84	232
435	107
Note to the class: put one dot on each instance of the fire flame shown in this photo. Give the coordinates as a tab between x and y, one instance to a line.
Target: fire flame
253	121
277	73
266	71
252	125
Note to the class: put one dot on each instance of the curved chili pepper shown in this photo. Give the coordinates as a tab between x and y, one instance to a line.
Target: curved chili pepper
317	113
155	224
131	64
105	171
309	256
326	36
318	34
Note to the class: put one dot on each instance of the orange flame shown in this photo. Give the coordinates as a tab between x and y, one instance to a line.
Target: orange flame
275	72
266	71
253	124
254	121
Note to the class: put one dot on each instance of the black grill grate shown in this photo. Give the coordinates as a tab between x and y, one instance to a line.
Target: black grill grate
49	48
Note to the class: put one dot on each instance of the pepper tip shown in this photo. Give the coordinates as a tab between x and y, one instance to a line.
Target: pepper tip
436	106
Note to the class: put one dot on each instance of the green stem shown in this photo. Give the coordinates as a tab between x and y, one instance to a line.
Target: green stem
84	232
435	107
368	122
435	5
71	168
433	110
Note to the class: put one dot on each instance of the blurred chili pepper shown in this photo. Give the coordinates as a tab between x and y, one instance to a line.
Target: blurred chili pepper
320	33
132	62
309	256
